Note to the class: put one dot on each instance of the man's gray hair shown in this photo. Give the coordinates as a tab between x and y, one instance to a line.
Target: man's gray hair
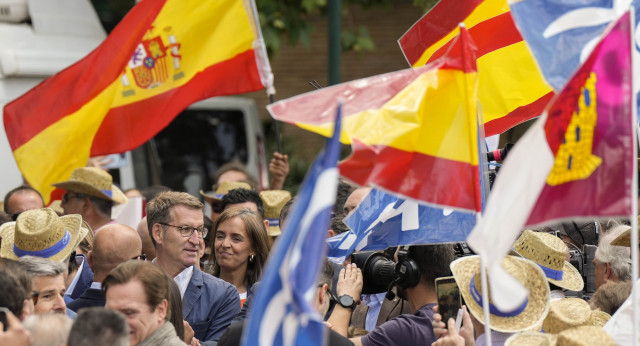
48	329
98	326
38	266
618	257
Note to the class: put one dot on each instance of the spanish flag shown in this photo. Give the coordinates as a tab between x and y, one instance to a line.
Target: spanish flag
511	89
414	132
163	56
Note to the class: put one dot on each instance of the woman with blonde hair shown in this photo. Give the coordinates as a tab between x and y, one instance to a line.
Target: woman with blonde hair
241	246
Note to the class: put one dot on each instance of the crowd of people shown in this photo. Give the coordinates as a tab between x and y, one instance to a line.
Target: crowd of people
71	275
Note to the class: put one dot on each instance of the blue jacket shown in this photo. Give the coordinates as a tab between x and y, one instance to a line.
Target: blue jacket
209	305
90	297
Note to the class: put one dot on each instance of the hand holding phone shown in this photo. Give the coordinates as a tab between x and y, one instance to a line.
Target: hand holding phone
449	300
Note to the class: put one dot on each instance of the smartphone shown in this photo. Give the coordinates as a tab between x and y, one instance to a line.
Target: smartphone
449	300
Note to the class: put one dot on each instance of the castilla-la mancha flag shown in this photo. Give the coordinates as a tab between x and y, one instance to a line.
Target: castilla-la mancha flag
163	56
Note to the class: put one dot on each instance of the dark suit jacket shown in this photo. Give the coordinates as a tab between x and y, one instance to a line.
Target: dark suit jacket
209	304
388	310
90	297
85	278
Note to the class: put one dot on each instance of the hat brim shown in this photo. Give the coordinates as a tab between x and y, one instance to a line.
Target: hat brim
71	223
210	198
465	268
624	239
531	339
571	278
117	197
274	231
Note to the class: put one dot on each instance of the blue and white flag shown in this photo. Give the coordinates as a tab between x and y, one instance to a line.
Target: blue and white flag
561	34
382	220
282	313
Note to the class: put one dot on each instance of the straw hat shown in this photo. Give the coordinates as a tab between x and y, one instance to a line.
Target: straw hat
531	339
599	318
624	239
95	182
548	251
223	189
585	335
466	271
41	233
570	313
273	201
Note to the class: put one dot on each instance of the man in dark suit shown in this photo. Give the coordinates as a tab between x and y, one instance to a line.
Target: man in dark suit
114	244
176	227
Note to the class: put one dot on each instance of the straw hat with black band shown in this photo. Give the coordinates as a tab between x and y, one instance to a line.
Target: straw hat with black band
530	313
223	189
94	182
273	201
548	252
41	233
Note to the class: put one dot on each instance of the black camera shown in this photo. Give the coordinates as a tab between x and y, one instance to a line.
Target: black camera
378	270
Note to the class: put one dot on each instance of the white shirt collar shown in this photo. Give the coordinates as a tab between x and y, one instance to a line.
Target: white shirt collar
183	279
72	286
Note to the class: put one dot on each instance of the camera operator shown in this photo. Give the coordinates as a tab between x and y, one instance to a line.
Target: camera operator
378	270
613	263
416	272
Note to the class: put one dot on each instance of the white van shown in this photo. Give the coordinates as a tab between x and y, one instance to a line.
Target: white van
38	38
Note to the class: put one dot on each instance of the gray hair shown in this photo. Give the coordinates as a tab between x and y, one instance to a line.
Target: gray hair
619	257
48	329
98	326
38	266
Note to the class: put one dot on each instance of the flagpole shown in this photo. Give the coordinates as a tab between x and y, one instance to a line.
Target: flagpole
276	124
634	186
472	117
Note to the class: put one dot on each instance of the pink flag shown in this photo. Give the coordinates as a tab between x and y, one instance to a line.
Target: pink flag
576	161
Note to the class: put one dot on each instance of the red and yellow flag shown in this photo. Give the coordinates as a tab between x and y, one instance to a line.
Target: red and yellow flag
511	89
414	132
163	56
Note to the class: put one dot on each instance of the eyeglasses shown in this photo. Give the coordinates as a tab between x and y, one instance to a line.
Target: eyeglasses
141	257
187	231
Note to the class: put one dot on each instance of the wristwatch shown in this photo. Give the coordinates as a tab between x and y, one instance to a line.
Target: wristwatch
347	301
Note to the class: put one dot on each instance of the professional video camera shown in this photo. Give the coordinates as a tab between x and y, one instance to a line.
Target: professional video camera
379	268
585	235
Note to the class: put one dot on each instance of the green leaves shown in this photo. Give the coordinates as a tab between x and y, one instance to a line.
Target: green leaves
290	19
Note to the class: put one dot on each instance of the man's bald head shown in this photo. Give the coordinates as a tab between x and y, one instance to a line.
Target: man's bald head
355	198
114	244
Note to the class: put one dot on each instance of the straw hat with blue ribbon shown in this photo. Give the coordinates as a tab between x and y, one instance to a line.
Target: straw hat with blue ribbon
549	251
273	201
41	233
223	189
95	182
530	313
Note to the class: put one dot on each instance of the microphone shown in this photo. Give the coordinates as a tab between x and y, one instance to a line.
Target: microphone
499	154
